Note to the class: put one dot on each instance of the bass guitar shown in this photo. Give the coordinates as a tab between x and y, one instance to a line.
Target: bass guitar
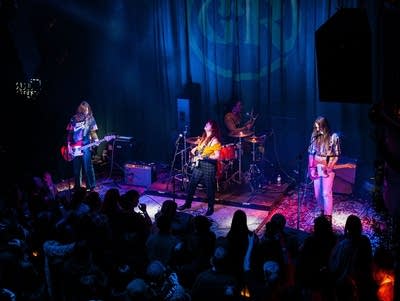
320	170
77	150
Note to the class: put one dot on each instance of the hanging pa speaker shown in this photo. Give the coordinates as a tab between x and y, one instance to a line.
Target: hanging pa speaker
343	54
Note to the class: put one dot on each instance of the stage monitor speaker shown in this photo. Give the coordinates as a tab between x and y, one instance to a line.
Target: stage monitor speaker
343	56
345	177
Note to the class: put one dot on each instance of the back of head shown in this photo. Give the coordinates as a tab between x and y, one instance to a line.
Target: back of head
93	199
168	208
353	226
239	223
219	259
132	195
322	226
156	271
201	224
279	220
137	289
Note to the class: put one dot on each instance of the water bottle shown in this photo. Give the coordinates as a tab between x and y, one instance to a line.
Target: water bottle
279	180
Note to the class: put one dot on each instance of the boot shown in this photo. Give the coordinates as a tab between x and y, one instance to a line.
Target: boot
185	206
210	211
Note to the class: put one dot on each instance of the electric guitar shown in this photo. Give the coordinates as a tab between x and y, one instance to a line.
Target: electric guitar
320	170
204	154
196	159
77	150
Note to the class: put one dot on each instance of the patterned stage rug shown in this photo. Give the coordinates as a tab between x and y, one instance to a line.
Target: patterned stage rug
376	225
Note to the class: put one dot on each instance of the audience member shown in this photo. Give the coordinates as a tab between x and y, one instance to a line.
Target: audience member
160	246
312	271
216	283
351	264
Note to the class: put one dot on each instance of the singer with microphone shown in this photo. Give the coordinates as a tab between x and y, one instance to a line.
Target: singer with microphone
324	152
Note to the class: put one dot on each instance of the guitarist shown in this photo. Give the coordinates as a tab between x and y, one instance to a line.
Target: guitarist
324	151
82	130
205	156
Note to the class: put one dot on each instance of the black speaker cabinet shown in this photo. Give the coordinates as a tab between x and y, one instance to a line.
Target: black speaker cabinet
122	150
140	174
343	53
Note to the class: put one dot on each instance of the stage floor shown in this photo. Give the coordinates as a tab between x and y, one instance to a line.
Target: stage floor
295	202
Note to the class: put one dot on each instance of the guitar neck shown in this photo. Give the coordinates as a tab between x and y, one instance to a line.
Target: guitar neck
347	165
338	166
92	144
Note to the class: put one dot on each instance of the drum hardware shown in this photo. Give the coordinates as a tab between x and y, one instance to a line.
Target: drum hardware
255	175
241	134
192	140
239	173
254	139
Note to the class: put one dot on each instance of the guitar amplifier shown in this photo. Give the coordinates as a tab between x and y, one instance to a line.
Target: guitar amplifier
139	174
345	178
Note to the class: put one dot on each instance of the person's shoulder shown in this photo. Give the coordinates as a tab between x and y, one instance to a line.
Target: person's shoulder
215	141
335	136
228	115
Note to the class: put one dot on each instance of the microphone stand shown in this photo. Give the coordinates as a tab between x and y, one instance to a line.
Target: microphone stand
184	159
172	170
299	159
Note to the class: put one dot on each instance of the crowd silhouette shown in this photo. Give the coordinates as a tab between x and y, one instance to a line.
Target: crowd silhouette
80	246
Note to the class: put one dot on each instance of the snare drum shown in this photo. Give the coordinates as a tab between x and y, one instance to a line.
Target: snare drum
228	152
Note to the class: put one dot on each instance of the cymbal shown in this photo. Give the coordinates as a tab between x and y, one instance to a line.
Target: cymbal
241	134
192	140
255	139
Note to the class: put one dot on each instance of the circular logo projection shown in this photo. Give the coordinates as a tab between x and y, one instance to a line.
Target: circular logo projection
243	39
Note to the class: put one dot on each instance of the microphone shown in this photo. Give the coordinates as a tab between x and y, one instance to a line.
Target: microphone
179	138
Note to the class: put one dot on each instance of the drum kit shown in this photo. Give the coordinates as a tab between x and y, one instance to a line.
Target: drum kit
230	154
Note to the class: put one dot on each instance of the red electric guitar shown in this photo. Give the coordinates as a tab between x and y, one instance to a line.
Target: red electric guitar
77	150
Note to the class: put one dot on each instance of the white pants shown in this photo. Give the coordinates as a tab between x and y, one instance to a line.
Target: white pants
323	193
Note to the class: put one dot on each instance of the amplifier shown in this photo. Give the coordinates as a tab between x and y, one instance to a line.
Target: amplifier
139	174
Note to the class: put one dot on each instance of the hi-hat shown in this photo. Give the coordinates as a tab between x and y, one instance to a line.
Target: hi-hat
241	134
192	140
255	139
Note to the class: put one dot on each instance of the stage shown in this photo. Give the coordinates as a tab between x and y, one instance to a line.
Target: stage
295	202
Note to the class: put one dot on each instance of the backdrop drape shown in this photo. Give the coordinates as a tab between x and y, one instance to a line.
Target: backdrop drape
132	59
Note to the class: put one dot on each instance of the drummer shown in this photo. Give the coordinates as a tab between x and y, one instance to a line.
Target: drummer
233	122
